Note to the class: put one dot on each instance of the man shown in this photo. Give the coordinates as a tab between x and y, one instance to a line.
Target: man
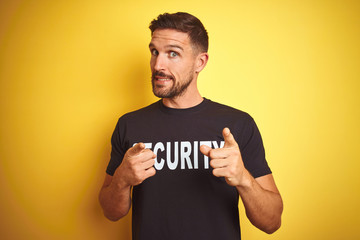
187	159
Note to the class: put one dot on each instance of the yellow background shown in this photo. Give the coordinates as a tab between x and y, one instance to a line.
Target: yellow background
69	69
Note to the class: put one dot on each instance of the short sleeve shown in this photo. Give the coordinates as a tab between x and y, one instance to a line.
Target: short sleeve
117	150
252	151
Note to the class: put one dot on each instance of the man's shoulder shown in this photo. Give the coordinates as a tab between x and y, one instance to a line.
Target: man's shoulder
221	108
142	111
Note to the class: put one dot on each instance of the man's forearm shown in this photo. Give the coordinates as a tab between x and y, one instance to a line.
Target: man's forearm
115	201
136	166
263	207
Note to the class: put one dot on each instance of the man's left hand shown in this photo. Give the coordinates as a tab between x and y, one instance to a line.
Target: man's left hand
226	161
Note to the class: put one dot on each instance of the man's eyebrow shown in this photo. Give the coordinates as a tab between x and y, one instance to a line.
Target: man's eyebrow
168	46
175	46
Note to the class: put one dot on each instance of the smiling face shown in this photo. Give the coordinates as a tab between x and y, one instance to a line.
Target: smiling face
172	63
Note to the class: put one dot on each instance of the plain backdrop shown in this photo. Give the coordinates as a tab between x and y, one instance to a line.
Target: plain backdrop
70	69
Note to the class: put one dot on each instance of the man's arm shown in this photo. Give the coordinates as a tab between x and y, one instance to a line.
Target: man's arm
261	198
114	199
262	201
114	195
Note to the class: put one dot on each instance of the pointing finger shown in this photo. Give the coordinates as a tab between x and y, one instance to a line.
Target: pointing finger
135	150
229	138
205	150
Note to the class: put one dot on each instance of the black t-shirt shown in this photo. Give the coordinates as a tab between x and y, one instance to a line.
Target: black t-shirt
184	200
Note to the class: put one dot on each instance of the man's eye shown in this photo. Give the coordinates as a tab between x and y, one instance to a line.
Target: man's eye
154	52
173	54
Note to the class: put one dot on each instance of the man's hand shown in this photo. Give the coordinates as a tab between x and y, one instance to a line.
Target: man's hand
136	166
226	161
261	198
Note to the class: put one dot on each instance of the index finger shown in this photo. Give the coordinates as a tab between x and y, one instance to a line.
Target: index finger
136	149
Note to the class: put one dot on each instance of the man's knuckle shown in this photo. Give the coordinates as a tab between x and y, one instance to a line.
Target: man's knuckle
232	171
212	153
132	165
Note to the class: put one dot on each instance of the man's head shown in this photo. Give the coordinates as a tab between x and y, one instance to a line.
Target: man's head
186	23
178	49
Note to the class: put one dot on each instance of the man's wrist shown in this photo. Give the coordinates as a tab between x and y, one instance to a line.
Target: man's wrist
119	183
246	182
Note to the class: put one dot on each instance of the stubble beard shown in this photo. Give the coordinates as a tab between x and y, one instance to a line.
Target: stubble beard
177	89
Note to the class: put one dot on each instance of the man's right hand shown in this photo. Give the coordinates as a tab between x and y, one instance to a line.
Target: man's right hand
136	166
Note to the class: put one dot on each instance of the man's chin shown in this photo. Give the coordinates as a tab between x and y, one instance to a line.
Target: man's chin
160	90
161	94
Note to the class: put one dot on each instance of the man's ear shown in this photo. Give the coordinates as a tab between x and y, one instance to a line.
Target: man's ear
201	61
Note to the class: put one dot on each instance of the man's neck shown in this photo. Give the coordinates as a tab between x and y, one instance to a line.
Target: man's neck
188	100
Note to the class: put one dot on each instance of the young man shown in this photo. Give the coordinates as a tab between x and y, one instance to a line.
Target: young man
188	159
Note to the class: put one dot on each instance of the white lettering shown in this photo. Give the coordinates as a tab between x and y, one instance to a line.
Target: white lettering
185	154
215	145
206	158
159	165
185	151
196	162
148	145
171	165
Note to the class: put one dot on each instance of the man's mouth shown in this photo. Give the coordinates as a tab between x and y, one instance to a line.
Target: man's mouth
161	77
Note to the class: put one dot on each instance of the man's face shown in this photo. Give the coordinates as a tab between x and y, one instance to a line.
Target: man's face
172	62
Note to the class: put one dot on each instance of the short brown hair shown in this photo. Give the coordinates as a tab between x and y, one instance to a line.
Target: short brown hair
183	22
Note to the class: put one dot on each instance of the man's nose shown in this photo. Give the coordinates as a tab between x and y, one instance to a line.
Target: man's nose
159	63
